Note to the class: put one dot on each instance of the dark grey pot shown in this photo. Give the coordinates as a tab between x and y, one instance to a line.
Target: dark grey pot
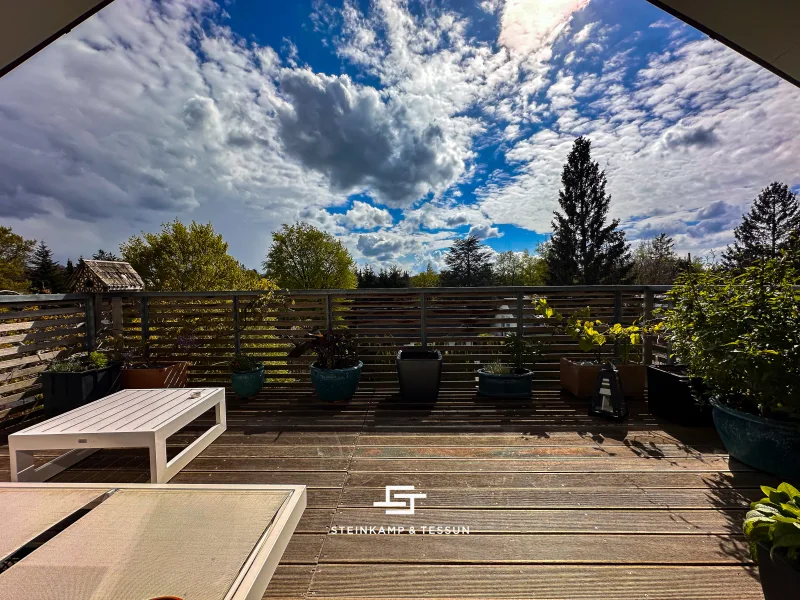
780	580
420	374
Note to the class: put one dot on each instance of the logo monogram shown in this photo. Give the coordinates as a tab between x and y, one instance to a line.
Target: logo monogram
403	507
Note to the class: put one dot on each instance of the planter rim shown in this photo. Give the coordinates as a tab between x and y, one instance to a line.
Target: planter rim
780	554
110	365
527	373
259	368
788	425
360	364
434	354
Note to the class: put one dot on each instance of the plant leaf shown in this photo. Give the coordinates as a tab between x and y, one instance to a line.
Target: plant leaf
788	488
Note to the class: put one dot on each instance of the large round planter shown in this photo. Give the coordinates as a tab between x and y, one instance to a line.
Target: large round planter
248	383
166	376
766	444
780	580
505	385
335	385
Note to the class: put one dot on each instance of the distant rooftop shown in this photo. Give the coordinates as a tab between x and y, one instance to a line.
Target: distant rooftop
105	276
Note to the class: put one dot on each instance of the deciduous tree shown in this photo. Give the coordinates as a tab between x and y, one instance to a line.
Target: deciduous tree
303	257
655	262
585	249
187	259
427	279
14	254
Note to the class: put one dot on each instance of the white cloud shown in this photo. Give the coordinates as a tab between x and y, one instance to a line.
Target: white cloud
366	216
583	35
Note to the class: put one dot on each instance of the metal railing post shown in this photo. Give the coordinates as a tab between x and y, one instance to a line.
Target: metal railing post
91	323
423	328
520	324
647	315
329	311
145	319
237	341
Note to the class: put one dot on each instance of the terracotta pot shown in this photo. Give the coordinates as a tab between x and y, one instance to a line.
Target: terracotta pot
166	376
579	380
633	378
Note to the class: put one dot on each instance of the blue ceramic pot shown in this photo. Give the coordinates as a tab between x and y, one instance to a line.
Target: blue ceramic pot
505	385
249	383
335	385
766	444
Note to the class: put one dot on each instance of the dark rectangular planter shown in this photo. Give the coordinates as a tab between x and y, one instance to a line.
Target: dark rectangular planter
780	580
65	391
420	374
676	397
505	385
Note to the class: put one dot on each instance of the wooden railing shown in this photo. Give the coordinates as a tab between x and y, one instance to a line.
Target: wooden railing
207	328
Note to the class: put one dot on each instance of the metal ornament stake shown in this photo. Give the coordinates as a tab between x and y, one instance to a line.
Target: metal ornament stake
608	400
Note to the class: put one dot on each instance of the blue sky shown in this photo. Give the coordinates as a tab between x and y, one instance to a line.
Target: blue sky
397	126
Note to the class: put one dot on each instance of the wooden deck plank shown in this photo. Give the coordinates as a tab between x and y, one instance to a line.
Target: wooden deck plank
543	582
539	451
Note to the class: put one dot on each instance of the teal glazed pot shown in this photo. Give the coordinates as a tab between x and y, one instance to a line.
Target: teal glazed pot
335	385
767	444
249	383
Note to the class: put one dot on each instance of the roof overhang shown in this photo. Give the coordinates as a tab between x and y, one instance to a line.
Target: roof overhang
27	26
765	31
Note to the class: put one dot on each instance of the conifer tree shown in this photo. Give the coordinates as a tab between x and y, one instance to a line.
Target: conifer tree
469	264
584	249
46	275
771	227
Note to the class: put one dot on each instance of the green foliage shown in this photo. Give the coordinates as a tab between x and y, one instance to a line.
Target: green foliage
519	268
655	262
468	264
584	250
188	259
741	335
335	350
775	521
429	278
14	254
770	228
78	363
46	275
304	258
242	363
393	277
103	255
498	368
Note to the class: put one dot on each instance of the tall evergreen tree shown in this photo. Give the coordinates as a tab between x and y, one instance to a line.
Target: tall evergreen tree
771	227
393	277
584	249
46	275
469	264
367	277
103	255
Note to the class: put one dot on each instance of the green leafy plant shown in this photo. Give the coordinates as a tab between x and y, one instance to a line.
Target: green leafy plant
741	335
78	363
334	350
775	521
498	368
243	363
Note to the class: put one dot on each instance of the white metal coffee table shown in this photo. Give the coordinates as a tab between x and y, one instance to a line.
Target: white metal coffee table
127	419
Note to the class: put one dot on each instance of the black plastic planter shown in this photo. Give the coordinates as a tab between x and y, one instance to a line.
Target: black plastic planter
505	385
780	580
420	374
676	397
65	391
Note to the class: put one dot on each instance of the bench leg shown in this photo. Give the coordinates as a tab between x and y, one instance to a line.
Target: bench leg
158	461
22	468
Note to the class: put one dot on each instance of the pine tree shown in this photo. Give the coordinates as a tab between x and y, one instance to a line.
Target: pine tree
469	264
103	255
771	227
584	250
46	275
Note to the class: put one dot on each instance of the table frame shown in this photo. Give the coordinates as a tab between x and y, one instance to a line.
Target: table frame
22	443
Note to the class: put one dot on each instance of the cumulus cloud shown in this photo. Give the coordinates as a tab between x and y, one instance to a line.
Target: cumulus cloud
365	216
690	137
484	232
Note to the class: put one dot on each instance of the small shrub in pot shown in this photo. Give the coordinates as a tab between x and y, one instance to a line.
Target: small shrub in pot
77	380
511	380
247	375
336	372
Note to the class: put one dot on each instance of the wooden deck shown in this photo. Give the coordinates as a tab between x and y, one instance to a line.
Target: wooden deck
558	505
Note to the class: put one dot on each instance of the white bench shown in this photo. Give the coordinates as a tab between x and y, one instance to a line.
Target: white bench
127	419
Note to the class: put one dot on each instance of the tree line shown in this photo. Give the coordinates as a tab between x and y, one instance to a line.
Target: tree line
586	248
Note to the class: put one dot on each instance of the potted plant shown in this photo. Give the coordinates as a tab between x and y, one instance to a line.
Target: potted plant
77	380
502	380
632	374
773	528
141	371
336	372
247	376
740	333
419	372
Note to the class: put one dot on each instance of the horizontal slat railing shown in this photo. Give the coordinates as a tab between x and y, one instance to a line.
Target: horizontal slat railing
466	324
205	328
